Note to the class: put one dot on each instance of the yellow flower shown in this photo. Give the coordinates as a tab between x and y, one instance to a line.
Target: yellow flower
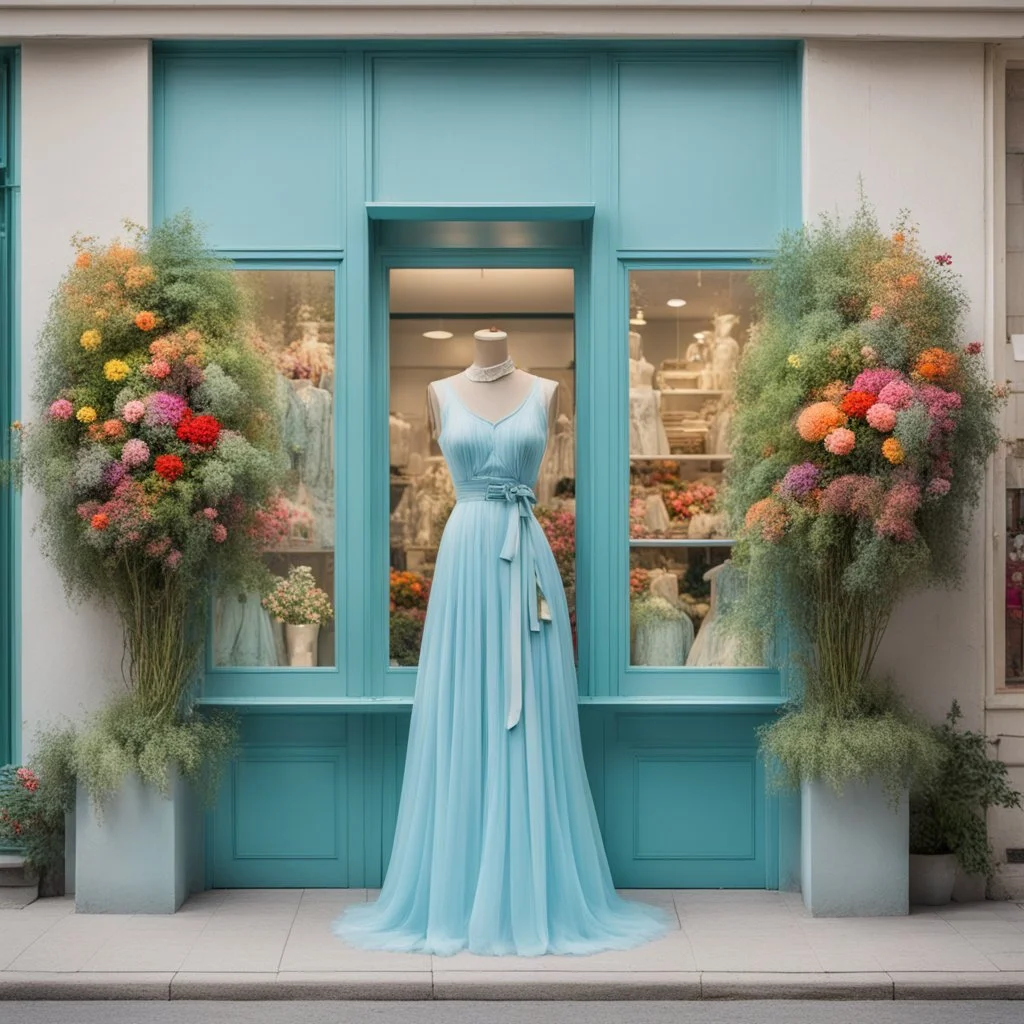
116	370
86	414
90	340
794	361
892	450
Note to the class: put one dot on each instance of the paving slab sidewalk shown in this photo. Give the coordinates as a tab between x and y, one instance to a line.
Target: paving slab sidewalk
277	944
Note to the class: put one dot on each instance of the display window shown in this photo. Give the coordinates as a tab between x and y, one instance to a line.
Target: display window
293	313
1014	570
687	330
432	317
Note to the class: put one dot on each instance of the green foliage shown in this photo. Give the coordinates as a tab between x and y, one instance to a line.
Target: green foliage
31	818
947	812
122	739
879	740
405	636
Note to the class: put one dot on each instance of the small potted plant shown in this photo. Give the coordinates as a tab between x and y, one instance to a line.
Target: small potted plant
947	814
303	607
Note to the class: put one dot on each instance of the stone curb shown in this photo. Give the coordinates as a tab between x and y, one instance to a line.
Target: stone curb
511	985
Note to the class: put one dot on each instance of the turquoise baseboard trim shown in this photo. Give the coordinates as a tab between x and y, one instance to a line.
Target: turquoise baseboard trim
311	798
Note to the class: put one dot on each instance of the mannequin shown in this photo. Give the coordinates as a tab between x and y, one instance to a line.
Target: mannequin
646	430
490	400
725	351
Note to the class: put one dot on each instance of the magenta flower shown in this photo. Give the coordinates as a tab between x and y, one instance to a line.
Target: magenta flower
938	487
164	409
944	259
973	348
800	480
61	409
872	381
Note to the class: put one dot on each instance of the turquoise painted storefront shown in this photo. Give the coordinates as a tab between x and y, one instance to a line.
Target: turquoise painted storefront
600	160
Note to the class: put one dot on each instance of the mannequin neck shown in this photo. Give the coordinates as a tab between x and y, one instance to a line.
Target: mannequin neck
489	353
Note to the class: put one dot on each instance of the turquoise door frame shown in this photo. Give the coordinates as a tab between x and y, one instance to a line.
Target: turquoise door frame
10	733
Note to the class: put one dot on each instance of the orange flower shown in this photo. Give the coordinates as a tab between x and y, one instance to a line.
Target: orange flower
83	261
899	239
118	253
818	420
110	287
892	450
113	429
100	521
145	321
138	277
908	281
936	364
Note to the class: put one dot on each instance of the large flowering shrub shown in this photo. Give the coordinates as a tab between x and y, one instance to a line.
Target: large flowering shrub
154	456
862	428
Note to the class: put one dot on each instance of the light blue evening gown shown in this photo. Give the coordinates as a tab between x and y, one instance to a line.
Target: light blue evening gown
497	848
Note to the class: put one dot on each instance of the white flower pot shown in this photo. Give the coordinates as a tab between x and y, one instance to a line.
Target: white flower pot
301	642
932	877
853	859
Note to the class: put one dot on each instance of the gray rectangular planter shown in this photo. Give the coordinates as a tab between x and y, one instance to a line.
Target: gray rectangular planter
134	859
854	860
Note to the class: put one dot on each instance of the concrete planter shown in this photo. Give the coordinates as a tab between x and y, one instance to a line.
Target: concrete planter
135	858
932	877
853	850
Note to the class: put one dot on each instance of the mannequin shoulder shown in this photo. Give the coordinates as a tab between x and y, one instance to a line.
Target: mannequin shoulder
546	386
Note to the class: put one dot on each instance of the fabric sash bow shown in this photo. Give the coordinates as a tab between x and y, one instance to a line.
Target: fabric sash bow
517	550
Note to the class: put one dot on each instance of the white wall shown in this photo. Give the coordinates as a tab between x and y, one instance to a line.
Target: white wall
85	130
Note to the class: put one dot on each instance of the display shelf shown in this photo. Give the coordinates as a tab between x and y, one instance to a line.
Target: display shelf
690	457
680	542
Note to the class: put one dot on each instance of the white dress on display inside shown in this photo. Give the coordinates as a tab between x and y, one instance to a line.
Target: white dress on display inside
716	646
646	431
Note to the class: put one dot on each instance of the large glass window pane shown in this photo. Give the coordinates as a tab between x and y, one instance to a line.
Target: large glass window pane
294	319
686	332
433	316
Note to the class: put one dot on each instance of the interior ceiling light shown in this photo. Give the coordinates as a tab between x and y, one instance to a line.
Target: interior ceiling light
676	303
438	335
638	320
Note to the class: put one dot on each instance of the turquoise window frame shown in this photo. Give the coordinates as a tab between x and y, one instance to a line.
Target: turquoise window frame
325	681
10	376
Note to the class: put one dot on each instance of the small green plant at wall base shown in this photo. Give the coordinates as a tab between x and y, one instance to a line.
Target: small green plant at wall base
947	815
297	600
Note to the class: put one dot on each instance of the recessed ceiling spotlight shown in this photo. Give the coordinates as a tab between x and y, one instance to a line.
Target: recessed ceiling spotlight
438	335
676	303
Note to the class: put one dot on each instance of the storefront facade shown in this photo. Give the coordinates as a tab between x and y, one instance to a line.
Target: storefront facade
604	202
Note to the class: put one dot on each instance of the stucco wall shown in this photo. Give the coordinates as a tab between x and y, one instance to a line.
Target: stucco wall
85	116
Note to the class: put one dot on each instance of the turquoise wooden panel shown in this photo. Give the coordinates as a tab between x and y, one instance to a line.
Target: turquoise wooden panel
470	129
684	802
708	156
253	147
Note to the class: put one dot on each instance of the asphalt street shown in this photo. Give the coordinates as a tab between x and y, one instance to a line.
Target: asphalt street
775	1012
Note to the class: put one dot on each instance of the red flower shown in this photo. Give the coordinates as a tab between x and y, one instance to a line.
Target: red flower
100	521
203	430
973	348
857	403
170	467
944	259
